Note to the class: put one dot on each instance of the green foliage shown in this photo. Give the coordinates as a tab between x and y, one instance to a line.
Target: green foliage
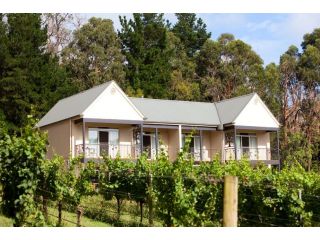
298	150
300	81
189	195
28	76
20	164
144	43
85	175
182	85
192	32
94	56
57	180
228	67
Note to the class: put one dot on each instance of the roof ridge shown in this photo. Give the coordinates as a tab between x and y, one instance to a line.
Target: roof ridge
253	93
170	100
215	106
174	100
84	91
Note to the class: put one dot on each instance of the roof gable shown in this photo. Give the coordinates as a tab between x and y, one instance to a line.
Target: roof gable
256	114
229	109
73	105
113	104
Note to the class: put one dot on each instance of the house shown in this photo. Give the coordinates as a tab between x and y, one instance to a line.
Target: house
103	120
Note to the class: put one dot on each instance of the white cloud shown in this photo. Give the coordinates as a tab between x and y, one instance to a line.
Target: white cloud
264	25
300	24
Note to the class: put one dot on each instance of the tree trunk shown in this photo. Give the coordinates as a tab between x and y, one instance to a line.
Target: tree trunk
60	213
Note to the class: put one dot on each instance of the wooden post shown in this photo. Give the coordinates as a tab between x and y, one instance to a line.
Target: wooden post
79	215
235	143
278	149
201	143
84	139
230	201
300	197
180	138
141	139
150	201
157	142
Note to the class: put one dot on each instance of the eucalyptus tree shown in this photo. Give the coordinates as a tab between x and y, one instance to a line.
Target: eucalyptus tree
228	67
94	56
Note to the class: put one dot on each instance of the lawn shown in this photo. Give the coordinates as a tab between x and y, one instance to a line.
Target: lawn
5	222
68	217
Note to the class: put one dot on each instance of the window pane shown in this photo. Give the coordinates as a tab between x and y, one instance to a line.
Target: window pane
238	142
253	142
196	143
113	137
93	136
245	142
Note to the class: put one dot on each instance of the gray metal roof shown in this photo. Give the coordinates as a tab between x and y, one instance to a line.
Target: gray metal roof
73	105
229	109
154	110
172	111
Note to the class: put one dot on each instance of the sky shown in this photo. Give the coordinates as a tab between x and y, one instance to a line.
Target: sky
270	35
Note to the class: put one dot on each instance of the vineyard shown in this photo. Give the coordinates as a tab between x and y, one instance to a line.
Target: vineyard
40	192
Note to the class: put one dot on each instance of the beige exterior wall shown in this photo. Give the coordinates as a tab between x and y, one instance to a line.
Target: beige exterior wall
217	143
263	142
173	143
65	135
206	145
59	136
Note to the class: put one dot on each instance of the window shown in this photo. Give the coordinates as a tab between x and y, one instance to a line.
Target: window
247	145
103	140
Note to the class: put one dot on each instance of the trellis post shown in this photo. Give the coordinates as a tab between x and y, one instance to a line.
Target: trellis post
230	201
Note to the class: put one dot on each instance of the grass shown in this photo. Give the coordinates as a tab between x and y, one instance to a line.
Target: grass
98	208
97	213
70	219
5	222
52	221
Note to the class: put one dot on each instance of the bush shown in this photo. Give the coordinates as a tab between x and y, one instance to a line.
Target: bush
20	164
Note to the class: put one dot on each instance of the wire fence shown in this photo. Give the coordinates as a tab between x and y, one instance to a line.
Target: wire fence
125	209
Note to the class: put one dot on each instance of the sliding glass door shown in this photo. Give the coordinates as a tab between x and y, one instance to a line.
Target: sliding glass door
103	142
247	146
149	144
194	147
